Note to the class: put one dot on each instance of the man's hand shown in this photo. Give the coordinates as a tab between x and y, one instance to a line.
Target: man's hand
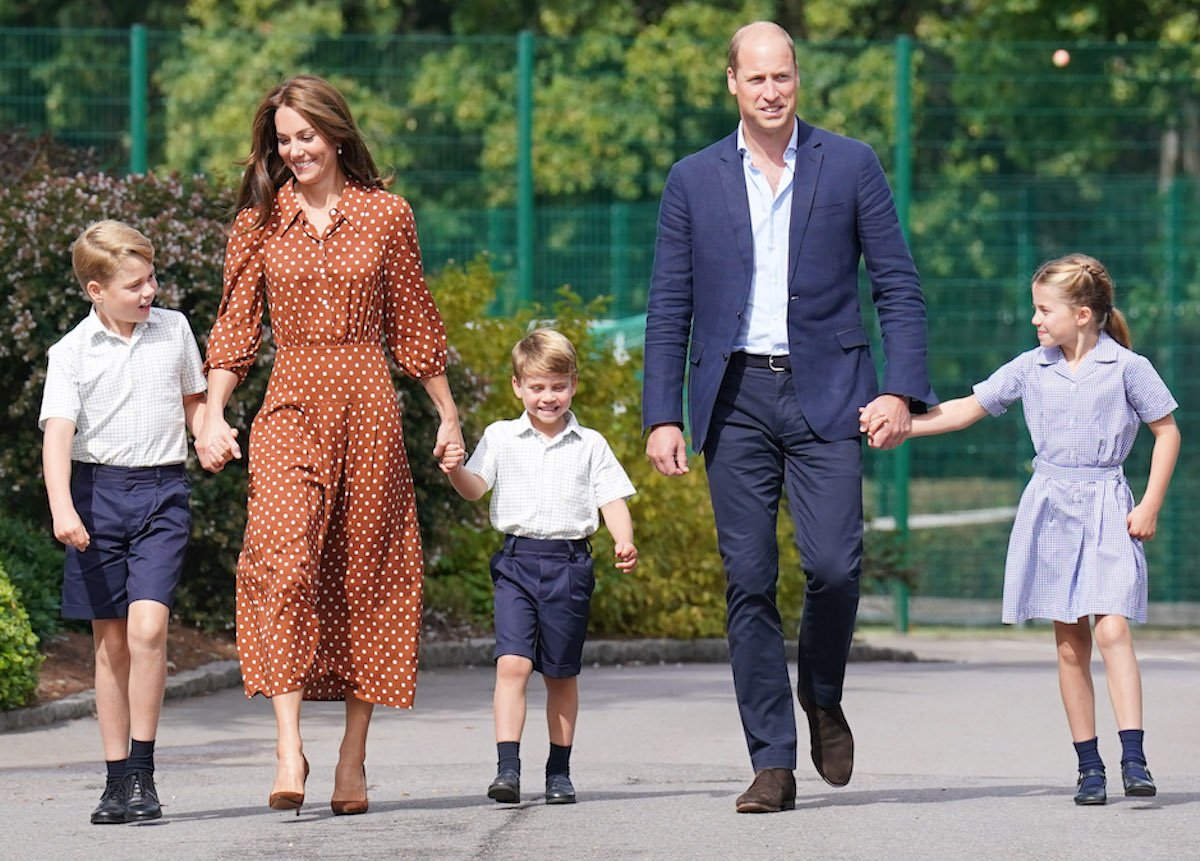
666	449
896	421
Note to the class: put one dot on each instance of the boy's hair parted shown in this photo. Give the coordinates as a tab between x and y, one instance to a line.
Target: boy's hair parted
544	351
319	102
1084	283
99	251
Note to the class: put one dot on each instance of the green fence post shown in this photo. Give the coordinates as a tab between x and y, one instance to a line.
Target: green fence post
618	258
525	220
901	463
139	89
1173	272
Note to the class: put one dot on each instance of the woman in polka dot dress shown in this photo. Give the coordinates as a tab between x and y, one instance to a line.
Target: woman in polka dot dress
329	577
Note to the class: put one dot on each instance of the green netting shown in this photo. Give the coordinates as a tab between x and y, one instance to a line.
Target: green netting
1009	160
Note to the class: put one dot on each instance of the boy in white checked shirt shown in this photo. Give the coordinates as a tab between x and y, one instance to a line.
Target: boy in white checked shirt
120	389
551	480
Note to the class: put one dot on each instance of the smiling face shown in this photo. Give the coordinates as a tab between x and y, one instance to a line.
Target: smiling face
764	82
546	397
125	299
1058	323
310	157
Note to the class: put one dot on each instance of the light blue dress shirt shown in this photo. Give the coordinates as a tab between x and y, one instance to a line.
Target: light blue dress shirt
764	328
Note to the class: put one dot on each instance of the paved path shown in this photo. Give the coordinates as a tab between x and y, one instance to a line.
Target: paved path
965	755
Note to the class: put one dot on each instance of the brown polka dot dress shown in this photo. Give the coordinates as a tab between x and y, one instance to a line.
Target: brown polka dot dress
329	577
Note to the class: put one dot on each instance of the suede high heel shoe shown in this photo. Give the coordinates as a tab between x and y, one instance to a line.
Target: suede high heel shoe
351	806
285	800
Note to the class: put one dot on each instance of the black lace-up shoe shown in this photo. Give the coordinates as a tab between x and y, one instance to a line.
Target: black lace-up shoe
506	788
111	809
559	789
141	803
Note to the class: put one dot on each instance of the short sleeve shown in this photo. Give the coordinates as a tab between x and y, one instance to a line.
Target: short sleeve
484	459
191	370
237	332
1146	391
416	335
609	480
1004	386
60	396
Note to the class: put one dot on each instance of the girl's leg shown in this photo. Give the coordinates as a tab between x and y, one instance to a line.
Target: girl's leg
350	777
146	635
1121	668
1075	677
112	686
290	770
562	709
508	701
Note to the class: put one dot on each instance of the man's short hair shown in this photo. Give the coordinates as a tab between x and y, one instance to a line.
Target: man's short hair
103	247
543	352
736	42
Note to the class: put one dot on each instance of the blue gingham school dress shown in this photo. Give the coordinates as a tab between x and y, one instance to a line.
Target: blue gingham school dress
1070	554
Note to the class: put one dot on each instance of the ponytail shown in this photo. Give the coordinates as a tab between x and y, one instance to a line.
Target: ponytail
1117	328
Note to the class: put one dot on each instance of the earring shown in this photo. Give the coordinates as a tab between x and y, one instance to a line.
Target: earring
339	150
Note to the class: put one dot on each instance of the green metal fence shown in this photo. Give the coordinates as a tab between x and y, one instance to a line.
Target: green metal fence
549	155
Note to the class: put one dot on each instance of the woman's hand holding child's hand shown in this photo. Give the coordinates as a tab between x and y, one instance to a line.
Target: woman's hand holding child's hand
453	456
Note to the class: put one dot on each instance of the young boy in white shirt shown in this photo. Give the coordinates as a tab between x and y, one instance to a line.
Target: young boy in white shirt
551	481
121	387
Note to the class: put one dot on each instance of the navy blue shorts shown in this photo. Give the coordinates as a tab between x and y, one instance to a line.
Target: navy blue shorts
139	521
543	593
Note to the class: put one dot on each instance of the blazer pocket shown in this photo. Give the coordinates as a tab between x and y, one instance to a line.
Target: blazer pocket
818	207
855	336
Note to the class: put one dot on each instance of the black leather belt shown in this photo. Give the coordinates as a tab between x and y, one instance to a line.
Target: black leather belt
778	364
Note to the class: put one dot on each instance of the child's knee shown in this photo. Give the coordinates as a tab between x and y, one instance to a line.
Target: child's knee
513	668
1112	632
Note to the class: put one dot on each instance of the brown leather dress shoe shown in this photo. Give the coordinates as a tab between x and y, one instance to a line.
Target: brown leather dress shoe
773	790
832	743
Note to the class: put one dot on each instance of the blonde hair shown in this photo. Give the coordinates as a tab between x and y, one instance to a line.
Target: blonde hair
545	352
104	247
1083	282
735	43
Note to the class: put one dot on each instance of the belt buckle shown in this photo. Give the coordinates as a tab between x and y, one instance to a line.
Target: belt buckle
771	365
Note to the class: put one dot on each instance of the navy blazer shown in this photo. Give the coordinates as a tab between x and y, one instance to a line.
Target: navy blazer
842	210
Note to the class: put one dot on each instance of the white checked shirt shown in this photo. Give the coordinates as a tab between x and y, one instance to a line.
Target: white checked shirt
551	489
125	397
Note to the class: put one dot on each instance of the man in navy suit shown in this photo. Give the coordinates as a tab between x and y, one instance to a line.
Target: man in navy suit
756	264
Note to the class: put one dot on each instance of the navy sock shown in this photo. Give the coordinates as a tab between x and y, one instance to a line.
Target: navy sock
1089	755
559	761
115	768
1131	746
141	756
508	754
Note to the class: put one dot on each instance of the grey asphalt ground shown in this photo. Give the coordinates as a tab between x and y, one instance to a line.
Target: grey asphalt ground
963	754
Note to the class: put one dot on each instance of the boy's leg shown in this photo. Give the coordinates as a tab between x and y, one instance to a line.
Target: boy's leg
147	640
508	701
562	710
112	714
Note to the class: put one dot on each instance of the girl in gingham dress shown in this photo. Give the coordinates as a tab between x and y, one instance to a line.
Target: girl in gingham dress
1076	546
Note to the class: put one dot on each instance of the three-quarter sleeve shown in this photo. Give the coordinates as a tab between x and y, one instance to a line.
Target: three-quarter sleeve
413	328
237	332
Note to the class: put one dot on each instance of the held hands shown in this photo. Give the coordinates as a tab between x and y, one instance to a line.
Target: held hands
1142	522
453	456
627	555
217	443
666	450
886	421
449	434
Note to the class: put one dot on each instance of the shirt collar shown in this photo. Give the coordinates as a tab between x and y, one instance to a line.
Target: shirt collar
92	327
349	209
525	426
1104	351
789	154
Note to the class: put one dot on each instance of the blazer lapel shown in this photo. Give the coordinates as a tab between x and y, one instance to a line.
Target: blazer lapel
804	188
733	181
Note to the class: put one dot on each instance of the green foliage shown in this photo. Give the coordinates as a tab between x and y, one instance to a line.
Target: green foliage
34	562
19	658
